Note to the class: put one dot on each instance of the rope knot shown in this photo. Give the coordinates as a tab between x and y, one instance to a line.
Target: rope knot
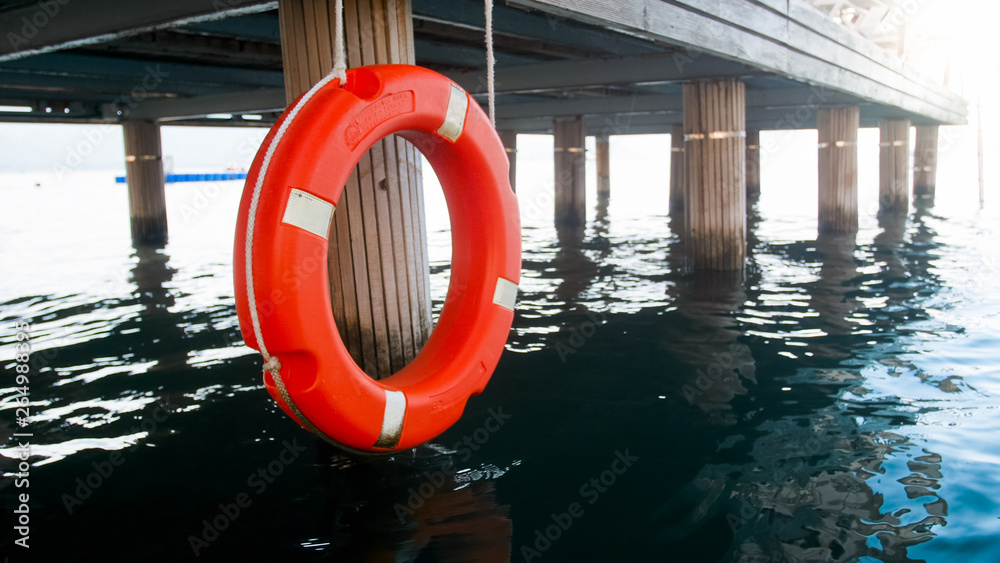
272	364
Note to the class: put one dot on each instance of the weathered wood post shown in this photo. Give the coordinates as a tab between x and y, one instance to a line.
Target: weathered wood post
678	174
715	150
509	139
602	149
925	158
894	165
144	173
378	267
753	164
570	177
838	169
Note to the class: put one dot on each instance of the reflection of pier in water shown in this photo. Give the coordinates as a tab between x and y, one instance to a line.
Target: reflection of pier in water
420	508
810	480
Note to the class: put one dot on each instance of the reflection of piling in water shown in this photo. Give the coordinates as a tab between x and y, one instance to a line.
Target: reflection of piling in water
925	157
801	510
806	493
831	295
753	225
572	264
151	273
710	341
414	509
889	245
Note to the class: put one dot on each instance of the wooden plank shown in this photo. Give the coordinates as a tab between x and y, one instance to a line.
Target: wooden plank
310	41
387	262
416	163
779	6
412	334
324	37
509	140
710	188
392	31
570	187
925	162
830	51
289	54
602	149
894	154
76	24
351	335
365	293
677	175
298	26
806	15
746	15
378	261
352	33
676	24
753	162
715	204
838	154
333	269
145	181
369	220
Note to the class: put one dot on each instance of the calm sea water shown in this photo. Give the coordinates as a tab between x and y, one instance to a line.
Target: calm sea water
839	402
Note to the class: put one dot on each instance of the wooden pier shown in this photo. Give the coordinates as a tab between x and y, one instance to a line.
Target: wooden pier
713	74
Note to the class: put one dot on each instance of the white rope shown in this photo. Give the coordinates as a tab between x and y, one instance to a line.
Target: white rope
339	52
252	216
271	363
490	63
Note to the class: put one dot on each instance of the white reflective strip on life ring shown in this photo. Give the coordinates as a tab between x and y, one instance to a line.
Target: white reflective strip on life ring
392	419
454	118
308	212
505	294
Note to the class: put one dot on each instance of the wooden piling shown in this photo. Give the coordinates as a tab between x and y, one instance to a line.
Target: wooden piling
602	152
570	178
925	157
715	150
678	174
509	140
378	265
838	169
894	165
753	164
144	173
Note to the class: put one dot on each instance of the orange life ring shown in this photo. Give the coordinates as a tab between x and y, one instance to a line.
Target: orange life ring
284	218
